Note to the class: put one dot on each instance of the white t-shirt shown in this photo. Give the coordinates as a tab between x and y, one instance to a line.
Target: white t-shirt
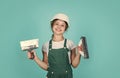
56	45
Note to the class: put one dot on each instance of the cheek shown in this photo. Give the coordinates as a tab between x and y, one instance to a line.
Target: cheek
53	29
64	28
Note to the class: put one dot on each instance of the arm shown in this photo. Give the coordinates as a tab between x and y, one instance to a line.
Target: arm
41	63
75	56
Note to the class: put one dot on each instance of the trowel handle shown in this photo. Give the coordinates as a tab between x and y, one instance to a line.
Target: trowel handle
32	54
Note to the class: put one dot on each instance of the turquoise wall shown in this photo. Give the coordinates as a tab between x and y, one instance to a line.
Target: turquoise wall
98	20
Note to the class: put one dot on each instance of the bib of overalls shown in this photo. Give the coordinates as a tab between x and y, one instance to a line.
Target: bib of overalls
59	66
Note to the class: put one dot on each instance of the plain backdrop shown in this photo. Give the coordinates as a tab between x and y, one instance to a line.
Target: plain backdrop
98	20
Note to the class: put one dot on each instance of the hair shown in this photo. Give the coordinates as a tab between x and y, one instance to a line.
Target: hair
53	21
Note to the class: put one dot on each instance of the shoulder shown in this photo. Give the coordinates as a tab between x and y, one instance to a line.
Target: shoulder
70	44
69	41
46	43
45	46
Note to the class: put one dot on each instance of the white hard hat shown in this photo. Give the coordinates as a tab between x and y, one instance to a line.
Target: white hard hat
61	16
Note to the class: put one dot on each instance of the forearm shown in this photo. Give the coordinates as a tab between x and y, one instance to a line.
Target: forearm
40	63
76	60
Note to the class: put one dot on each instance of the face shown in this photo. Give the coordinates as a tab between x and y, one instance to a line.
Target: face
59	27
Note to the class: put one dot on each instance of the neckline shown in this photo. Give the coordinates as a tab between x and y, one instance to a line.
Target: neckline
58	41
50	43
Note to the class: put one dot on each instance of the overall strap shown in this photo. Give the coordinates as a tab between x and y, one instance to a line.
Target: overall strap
50	44
65	43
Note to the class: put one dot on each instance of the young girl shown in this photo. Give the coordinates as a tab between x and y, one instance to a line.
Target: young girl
59	54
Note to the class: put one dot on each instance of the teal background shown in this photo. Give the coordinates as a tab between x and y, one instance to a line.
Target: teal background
98	20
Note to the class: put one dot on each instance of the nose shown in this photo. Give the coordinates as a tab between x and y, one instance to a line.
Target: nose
59	26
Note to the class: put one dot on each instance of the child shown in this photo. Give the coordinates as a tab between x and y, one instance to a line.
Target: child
59	54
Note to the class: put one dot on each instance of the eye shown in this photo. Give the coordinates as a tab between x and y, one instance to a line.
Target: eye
63	25
56	24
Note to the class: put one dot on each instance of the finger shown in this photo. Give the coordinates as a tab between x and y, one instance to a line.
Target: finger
29	54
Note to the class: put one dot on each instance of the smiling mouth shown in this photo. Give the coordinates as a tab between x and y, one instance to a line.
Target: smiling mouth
58	30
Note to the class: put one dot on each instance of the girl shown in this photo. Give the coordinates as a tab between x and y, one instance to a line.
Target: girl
59	54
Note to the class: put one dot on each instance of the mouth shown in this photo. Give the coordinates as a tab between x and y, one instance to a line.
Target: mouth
58	30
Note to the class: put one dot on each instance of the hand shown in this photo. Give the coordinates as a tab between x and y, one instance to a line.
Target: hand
80	50
31	55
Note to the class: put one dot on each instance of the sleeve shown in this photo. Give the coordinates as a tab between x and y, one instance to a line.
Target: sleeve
45	47
71	44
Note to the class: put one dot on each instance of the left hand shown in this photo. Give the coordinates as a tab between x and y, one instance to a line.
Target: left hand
80	50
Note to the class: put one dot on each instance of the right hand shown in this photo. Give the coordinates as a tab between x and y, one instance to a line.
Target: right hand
31	55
